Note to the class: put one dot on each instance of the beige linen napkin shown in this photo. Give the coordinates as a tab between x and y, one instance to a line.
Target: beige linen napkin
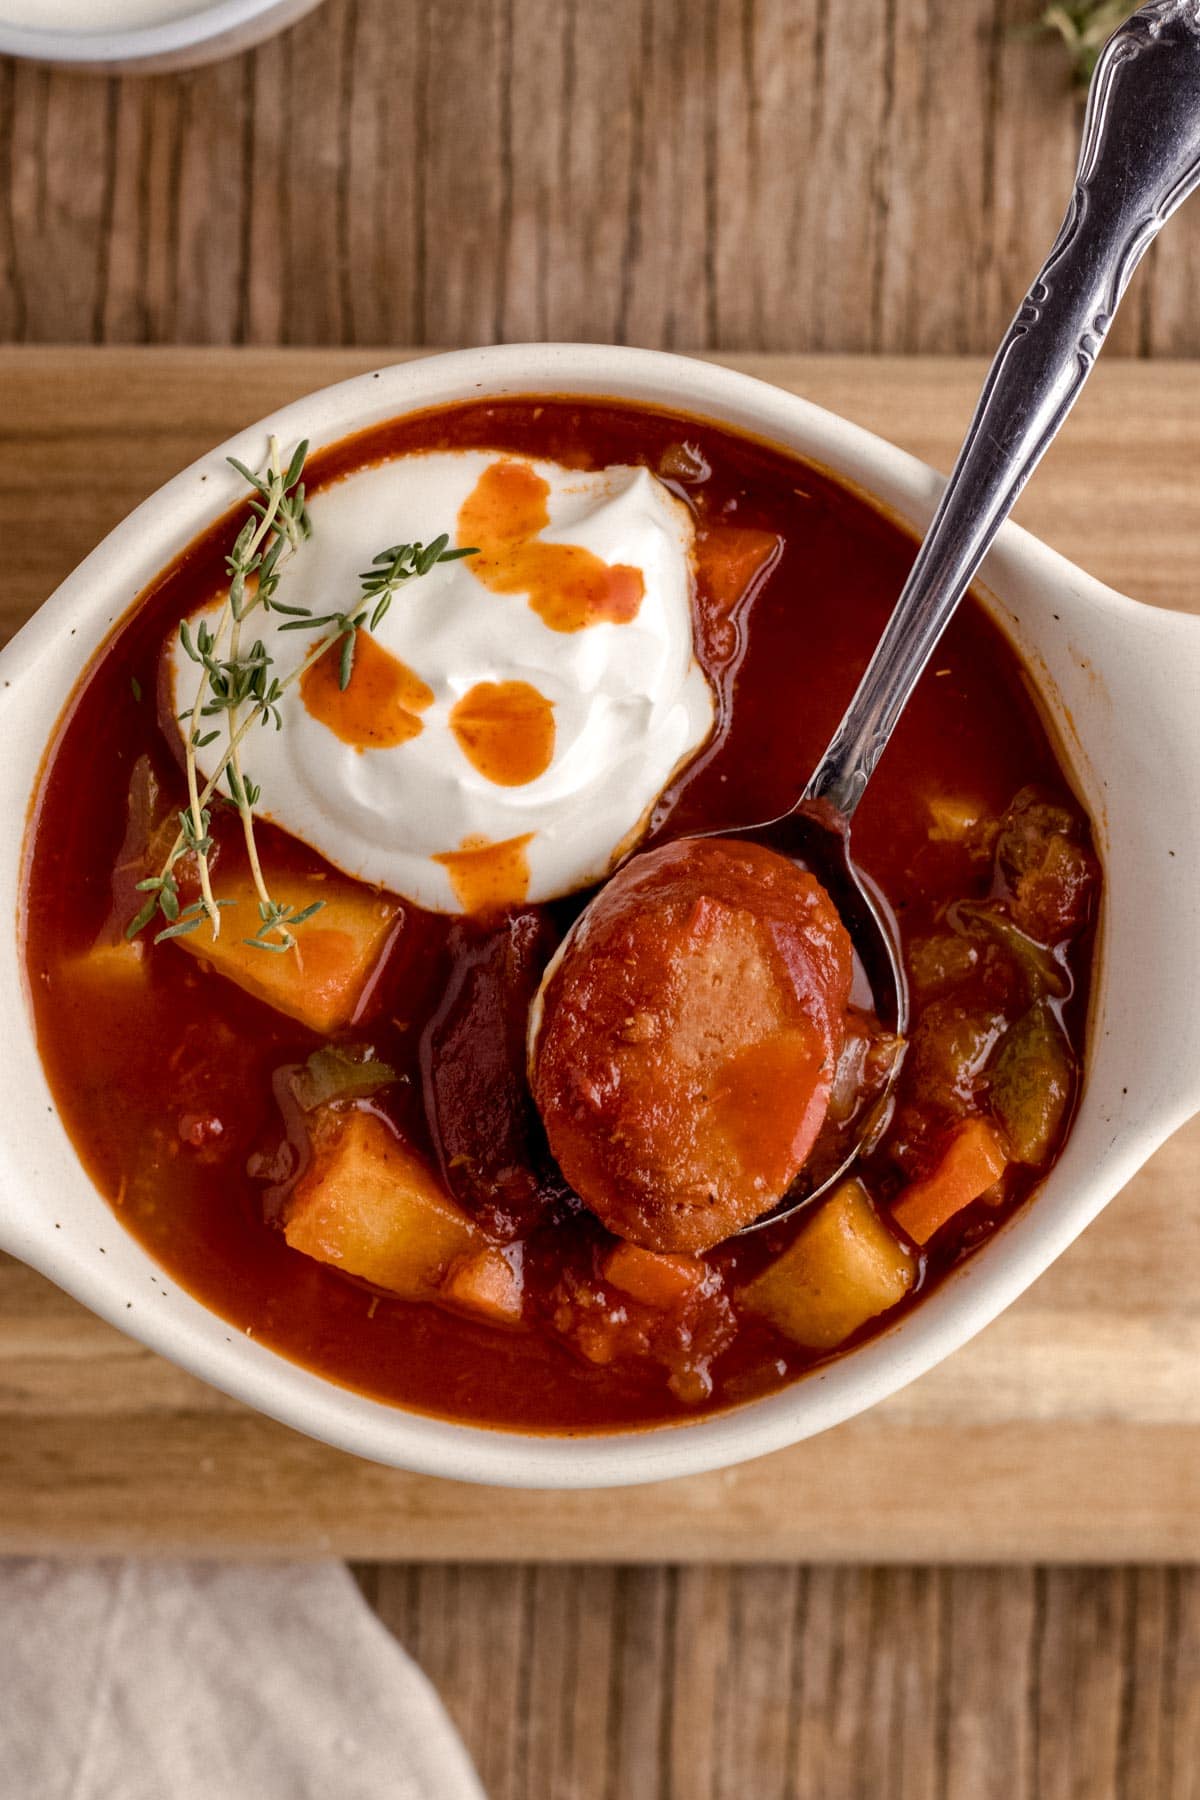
212	1681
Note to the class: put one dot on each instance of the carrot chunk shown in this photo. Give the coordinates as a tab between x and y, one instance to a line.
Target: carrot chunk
489	1283
729	558
973	1160
651	1276
732	562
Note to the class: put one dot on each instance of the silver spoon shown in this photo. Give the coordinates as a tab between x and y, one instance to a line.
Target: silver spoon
1139	159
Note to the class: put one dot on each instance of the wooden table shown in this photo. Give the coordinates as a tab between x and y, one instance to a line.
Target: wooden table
862	175
1069	1431
758	175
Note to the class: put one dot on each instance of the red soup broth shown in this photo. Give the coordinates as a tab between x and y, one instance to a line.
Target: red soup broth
166	1090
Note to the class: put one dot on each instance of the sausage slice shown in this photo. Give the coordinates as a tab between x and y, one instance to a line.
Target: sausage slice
687	1039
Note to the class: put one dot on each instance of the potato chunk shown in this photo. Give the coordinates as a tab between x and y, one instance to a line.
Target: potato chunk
119	966
368	1205
843	1268
953	818
322	980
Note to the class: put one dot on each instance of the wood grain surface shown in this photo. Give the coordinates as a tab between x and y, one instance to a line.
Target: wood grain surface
786	1683
758	175
790	175
1069	1430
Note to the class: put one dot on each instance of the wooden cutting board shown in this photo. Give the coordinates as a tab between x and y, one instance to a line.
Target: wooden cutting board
1070	1430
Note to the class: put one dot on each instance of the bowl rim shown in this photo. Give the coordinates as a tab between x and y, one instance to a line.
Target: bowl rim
973	1295
200	28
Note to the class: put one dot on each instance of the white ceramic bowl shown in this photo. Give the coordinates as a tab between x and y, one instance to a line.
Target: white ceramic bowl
1121	680
200	34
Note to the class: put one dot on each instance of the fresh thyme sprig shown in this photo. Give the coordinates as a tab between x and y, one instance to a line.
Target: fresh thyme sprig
388	572
239	684
278	522
1084	26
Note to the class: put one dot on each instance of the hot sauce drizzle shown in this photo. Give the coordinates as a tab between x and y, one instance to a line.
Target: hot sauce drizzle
488	877
567	586
505	729
378	708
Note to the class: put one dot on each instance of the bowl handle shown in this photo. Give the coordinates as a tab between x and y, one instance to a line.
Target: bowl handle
1141	667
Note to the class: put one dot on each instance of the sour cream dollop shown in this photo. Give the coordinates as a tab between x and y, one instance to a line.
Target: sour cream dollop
517	713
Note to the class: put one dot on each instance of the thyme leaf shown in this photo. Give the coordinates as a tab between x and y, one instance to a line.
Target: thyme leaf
1084	26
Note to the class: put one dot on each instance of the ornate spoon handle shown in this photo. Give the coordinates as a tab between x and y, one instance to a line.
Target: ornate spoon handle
1139	159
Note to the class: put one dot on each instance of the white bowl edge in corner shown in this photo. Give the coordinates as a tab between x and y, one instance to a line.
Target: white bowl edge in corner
211	31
